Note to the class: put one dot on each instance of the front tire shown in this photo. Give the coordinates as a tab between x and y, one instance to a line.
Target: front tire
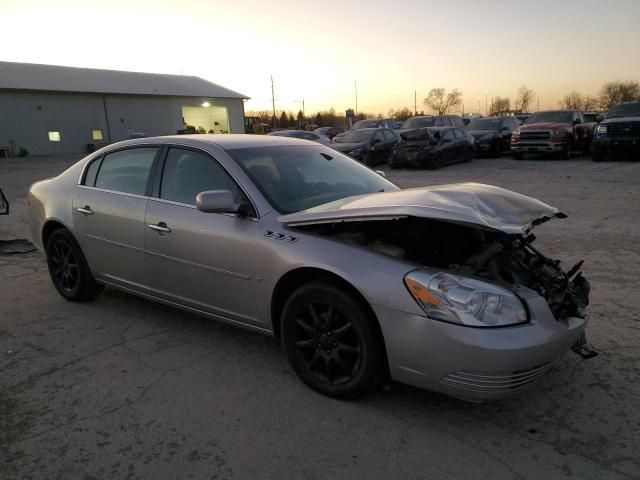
68	268
330	342
597	155
568	151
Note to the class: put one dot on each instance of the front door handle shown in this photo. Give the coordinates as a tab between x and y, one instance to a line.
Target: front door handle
161	228
86	210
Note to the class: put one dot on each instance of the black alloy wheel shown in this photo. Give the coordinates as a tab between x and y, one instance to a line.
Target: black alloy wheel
329	340
68	268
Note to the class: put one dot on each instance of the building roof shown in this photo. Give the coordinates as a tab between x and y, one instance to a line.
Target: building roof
54	78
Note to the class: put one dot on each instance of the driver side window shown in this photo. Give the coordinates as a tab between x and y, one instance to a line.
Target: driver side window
186	173
379	135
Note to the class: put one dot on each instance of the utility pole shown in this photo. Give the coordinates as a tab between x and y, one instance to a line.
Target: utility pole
355	82
273	102
415	103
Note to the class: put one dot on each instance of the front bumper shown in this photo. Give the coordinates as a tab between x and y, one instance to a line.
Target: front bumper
617	144
477	364
538	147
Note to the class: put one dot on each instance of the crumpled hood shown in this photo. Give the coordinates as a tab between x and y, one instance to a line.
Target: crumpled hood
484	206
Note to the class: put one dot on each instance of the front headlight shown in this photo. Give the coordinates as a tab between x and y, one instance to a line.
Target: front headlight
356	152
601	130
558	133
464	301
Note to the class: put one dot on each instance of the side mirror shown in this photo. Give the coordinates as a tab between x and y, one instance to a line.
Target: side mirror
599	118
433	141
217	201
377	140
505	128
576	121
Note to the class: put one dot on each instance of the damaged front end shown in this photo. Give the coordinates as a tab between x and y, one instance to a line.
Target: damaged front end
507	260
465	231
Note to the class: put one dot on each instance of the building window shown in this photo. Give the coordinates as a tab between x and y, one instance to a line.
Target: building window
54	136
96	134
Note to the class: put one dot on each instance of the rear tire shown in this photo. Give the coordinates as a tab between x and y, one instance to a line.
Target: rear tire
517	155
433	163
330	342
68	268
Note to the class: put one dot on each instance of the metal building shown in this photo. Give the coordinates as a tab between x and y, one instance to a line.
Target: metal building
48	109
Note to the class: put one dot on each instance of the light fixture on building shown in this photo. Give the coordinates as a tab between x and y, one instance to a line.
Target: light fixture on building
206	104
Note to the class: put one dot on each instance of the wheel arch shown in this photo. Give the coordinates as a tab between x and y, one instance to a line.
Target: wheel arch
293	279
49	227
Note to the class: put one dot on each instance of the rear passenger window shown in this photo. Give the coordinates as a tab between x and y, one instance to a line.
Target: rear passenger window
187	173
92	172
126	171
458	134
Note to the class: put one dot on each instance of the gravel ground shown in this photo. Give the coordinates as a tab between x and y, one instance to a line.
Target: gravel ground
125	388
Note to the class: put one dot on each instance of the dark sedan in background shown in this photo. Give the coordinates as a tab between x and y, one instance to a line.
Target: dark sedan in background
492	135
371	146
432	148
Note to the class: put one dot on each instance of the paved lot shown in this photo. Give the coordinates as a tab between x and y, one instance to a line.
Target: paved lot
124	388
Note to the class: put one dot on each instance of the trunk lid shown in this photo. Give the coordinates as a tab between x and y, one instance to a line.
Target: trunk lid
483	206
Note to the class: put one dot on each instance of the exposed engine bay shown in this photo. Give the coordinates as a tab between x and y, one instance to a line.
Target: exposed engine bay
471	251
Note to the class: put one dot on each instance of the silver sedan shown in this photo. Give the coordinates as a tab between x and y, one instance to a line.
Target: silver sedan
437	287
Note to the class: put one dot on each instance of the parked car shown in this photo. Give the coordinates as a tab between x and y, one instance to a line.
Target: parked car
492	135
423	121
375	123
437	287
619	133
329	132
432	148
552	132
312	136
371	146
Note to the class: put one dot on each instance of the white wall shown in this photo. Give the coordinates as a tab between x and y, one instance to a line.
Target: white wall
26	117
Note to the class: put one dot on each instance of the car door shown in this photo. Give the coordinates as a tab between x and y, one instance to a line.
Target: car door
390	141
461	145
206	261
582	135
378	150
108	213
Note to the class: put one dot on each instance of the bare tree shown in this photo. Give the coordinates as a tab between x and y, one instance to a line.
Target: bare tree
575	100
572	100
524	98
618	91
500	104
442	102
401	114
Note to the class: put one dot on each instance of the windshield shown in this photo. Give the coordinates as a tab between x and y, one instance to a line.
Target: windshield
418	122
485	124
555	117
356	136
294	178
625	110
365	124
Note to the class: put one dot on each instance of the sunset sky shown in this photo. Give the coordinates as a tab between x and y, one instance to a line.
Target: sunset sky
315	50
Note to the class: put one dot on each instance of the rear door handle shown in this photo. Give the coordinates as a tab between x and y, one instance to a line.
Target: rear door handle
86	210
160	228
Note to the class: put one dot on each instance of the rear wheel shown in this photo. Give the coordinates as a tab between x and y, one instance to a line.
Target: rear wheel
330	342
517	155
433	163
68	268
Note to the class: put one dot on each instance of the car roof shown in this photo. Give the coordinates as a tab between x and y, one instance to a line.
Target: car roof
227	141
